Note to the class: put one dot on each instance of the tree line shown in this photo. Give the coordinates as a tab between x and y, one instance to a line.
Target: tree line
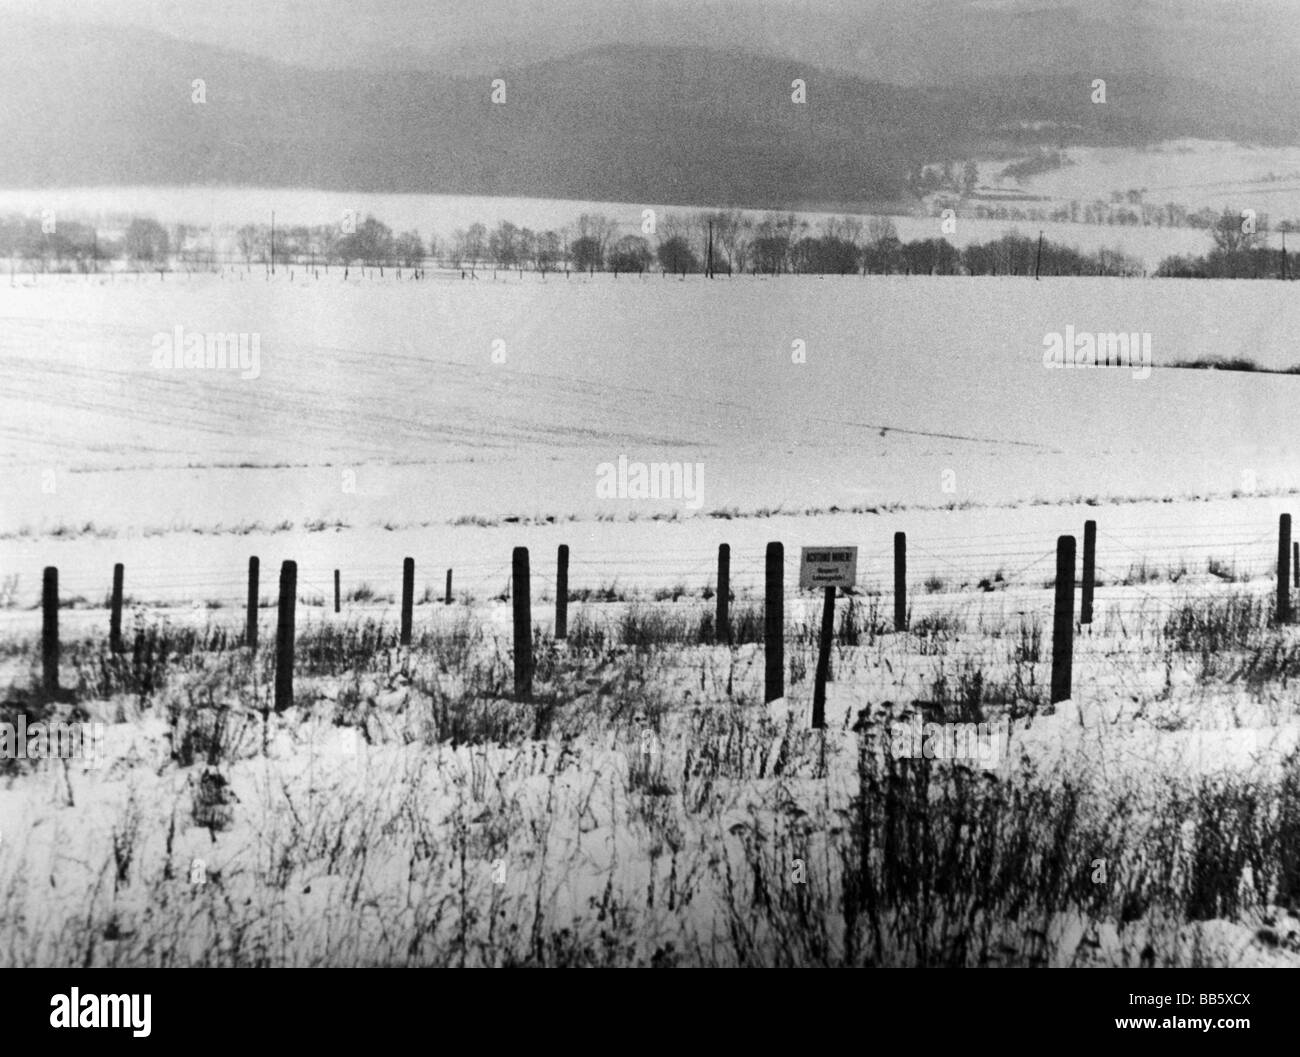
718	243
725	242
1237	251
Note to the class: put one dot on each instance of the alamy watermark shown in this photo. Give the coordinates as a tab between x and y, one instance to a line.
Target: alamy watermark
76	1010
980	744
218	350
52	740
1084	349
654	480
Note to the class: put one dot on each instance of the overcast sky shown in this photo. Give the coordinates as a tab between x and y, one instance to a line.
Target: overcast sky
328	32
880	39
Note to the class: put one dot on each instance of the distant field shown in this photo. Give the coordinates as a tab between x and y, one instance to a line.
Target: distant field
903	378
379	424
1196	174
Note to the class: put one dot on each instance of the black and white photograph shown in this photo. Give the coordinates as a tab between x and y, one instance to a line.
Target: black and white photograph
650	484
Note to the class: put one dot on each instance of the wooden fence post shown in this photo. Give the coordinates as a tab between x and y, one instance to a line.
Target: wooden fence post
900	581
115	613
1089	571
50	630
1284	569
447	597
250	632
520	592
336	591
1063	621
408	598
774	624
722	619
562	592
823	660
284	633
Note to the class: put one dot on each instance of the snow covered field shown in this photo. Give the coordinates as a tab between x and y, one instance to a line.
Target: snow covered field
392	418
1196	174
647	808
407	810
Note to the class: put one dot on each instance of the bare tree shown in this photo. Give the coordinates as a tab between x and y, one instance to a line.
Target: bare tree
883	245
769	250
630	254
503	245
847	229
736	234
548	251
1234	233
249	238
146	242
527	247
475	245
600	229
409	249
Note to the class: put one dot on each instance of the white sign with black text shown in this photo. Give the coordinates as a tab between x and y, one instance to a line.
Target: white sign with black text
828	567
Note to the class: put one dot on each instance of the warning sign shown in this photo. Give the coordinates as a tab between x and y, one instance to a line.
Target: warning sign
828	567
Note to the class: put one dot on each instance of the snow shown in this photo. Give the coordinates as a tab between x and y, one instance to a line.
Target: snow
342	838
380	419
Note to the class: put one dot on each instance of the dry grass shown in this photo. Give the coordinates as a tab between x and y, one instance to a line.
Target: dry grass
643	807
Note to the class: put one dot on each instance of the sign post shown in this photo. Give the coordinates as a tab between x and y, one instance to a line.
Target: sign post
827	568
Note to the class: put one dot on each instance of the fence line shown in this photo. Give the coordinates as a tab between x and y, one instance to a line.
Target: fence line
776	621
660	576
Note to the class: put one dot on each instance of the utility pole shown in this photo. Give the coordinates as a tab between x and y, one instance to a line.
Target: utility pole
272	241
1038	259
708	269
